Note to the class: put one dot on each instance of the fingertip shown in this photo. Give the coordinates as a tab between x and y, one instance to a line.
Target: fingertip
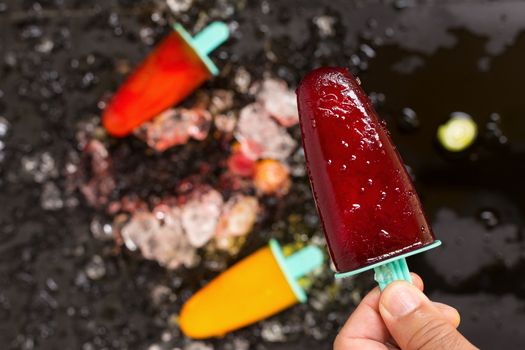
450	313
364	322
417	281
400	298
416	323
372	298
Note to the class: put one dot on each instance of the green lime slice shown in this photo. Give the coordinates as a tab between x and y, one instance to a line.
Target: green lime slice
458	133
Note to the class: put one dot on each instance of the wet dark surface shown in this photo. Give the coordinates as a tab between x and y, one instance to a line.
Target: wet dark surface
59	60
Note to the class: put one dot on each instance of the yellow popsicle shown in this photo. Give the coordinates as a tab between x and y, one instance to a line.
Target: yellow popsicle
258	286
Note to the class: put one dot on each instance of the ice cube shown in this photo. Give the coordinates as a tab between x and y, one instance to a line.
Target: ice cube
260	136
279	101
201	214
238	216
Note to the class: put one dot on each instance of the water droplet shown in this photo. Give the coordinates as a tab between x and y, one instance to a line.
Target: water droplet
410	172
362	190
147	35
408	120
88	80
343	167
378	207
51	284
494	131
4	127
179	6
367	162
397	189
344	143
489	218
384	233
383	196
325	25
272	331
265	7
377	98
355	60
329	162
353	157
484	64
51	198
354	208
314	123
370	182
96	268
45	46
368	51
403	4
422	228
495	117
101	230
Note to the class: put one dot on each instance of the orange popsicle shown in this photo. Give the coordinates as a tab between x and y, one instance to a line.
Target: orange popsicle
257	287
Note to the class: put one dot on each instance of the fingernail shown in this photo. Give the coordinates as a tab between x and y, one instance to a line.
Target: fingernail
401	298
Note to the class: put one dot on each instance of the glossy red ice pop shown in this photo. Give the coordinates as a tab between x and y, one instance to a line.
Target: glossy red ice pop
370	212
176	67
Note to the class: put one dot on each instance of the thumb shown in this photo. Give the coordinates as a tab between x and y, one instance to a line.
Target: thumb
415	323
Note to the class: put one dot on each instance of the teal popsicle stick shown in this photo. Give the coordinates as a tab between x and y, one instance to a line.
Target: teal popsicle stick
211	37
206	41
396	270
297	265
304	261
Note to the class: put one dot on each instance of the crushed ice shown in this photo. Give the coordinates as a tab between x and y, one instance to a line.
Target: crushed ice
260	136
171	232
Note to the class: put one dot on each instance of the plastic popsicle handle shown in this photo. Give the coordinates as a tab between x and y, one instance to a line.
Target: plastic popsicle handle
304	261
297	265
206	41
211	37
396	270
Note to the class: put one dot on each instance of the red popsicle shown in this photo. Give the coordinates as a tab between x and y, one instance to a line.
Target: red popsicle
176	67
367	203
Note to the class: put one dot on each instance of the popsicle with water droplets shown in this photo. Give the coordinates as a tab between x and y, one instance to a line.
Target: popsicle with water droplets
369	210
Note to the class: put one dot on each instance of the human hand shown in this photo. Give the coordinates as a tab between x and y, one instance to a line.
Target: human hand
401	317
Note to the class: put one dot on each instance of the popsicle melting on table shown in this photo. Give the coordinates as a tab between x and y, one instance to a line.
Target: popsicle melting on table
178	65
370	212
